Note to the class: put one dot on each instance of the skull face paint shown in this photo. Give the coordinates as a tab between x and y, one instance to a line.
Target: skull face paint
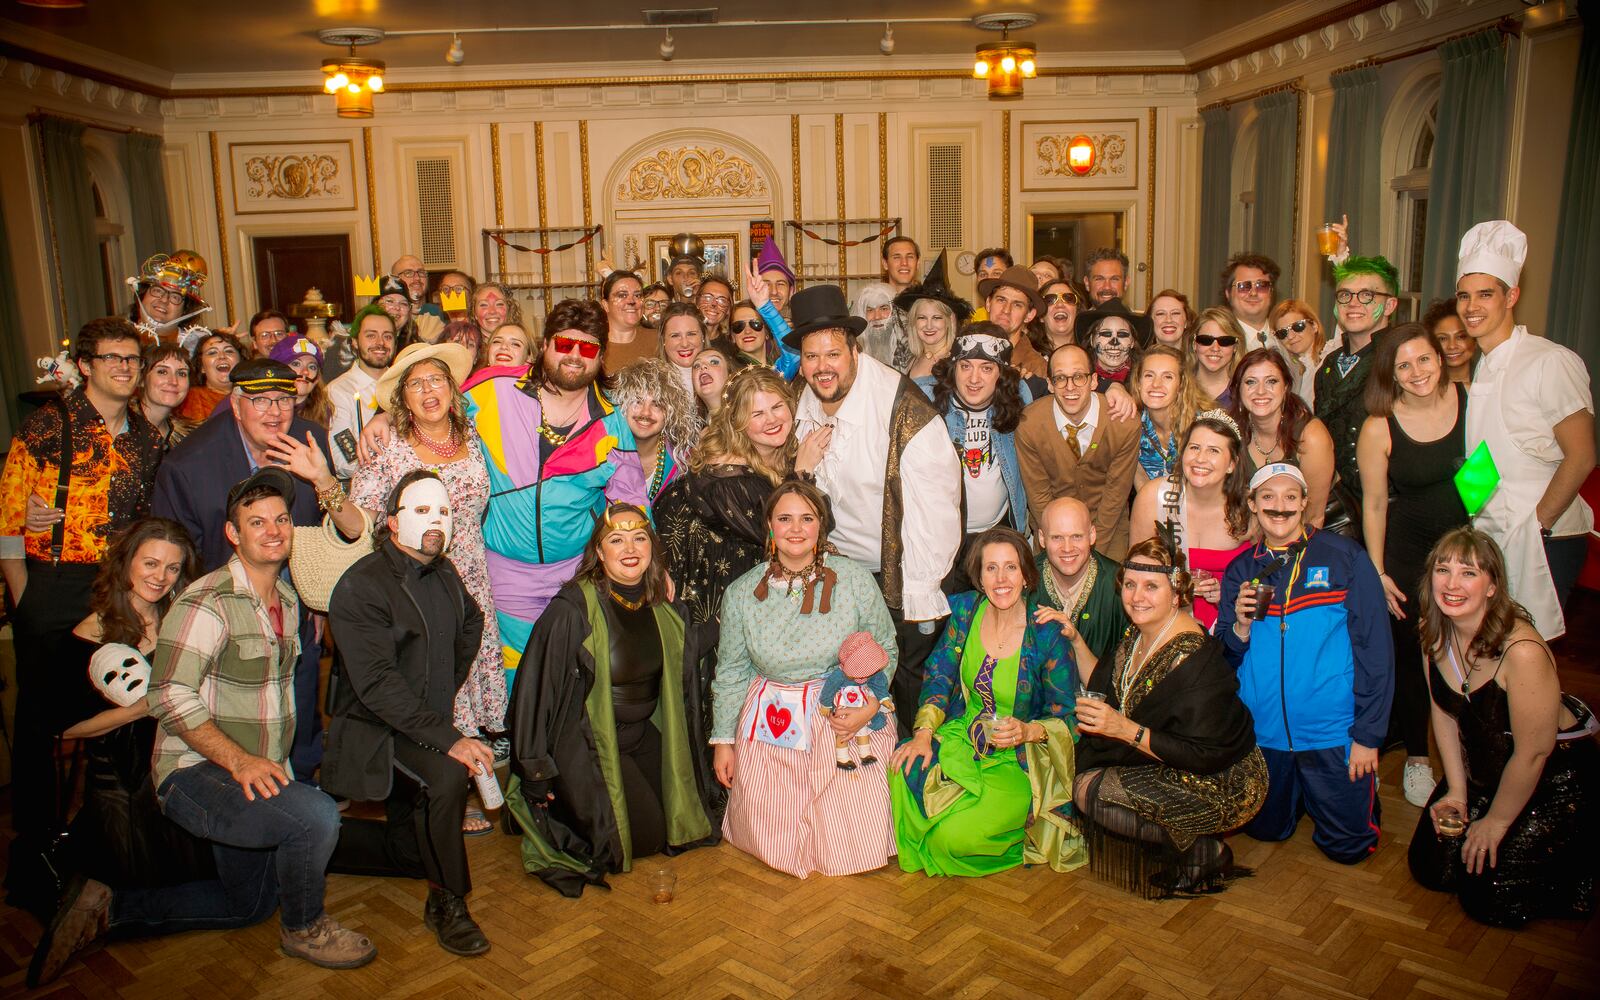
1113	343
424	517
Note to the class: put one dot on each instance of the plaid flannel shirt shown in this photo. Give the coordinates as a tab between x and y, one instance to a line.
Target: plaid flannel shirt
218	660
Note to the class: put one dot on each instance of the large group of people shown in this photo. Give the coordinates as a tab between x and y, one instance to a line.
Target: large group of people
1042	579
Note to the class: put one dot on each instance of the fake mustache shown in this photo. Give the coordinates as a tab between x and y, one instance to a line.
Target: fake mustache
1280	513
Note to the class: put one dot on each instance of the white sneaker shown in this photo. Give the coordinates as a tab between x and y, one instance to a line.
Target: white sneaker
1417	782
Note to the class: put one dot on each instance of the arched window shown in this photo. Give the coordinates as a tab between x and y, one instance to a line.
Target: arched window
1408	138
1241	219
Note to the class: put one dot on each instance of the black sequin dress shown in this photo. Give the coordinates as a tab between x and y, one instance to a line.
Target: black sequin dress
1546	862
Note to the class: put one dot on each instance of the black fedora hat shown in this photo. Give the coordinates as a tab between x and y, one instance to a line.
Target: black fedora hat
1143	329
820	307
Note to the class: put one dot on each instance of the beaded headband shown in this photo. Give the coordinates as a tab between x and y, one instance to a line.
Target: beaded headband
1221	417
1149	567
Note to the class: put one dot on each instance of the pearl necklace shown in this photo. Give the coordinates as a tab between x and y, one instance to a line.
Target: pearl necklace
1131	674
446	449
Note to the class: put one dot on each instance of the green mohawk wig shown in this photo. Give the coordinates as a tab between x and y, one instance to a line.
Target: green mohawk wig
1379	265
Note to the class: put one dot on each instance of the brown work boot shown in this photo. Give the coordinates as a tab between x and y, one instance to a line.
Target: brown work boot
327	944
80	921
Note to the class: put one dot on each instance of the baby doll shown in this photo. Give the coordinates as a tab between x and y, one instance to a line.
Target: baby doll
858	675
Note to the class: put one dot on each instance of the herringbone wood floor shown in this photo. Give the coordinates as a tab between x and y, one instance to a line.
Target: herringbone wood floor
1303	927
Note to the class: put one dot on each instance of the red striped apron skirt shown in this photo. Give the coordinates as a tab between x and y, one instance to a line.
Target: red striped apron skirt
796	810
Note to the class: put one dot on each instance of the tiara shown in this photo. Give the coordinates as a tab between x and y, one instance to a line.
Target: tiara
1221	417
628	518
727	388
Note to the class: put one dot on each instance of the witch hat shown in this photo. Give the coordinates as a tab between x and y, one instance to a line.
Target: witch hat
771	259
934	285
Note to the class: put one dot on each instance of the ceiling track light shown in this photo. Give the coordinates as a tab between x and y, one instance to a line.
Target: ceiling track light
455	55
667	47
886	43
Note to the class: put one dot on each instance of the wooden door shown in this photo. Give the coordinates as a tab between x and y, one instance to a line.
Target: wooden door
286	266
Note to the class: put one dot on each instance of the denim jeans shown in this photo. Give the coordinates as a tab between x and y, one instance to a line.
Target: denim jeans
270	853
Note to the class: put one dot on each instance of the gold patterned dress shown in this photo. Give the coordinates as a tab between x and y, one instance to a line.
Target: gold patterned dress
1147	817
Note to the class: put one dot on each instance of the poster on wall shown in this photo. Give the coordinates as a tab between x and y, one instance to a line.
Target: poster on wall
761	231
292	176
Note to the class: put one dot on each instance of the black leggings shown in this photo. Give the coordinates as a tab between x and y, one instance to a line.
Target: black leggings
1413	708
639	757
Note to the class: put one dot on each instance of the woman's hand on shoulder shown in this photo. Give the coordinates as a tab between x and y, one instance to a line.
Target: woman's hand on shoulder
1045	614
918	748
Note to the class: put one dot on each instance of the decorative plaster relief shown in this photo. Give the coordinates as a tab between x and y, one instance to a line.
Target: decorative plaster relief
292	176
1044	156
690	172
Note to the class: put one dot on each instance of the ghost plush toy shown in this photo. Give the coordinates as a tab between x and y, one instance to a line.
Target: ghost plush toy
120	673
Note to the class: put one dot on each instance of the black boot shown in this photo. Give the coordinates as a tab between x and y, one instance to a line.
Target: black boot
446	915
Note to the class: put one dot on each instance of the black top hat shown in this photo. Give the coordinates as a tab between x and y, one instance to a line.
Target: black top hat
935	286
1143	329
820	307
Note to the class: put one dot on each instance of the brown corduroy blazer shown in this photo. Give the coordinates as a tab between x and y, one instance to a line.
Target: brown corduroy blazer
1102	479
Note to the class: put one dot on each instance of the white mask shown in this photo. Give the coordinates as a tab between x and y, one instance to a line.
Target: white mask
424	507
120	673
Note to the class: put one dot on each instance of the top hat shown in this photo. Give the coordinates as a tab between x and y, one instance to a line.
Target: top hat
820	307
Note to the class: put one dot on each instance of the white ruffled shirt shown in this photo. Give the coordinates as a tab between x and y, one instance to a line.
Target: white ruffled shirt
852	475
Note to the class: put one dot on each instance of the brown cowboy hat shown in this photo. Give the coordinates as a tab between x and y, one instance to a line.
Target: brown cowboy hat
1018	277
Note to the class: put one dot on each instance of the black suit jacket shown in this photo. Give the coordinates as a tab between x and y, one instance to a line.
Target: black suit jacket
194	479
379	685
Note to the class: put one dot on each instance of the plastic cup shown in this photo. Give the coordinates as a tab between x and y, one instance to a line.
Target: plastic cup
1088	695
662	883
1451	824
1327	240
1264	595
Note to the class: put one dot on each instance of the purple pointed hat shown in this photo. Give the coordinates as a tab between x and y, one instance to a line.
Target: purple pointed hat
771	259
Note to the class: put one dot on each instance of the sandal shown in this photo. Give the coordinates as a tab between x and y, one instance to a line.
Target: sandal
475	823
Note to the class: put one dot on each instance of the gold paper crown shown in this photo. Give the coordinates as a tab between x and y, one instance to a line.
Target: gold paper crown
627	518
453	301
367	286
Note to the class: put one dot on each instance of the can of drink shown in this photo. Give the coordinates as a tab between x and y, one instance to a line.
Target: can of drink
1264	595
488	787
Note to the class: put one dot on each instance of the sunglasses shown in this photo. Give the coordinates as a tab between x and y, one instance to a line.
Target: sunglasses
1259	285
1299	326
1055	297
1206	340
753	325
586	348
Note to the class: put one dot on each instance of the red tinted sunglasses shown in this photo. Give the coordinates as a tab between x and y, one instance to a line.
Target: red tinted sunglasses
586	348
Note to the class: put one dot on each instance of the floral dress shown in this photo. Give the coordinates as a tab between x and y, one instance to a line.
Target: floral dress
481	702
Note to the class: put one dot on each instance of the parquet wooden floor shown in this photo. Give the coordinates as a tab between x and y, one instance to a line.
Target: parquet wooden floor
1303	927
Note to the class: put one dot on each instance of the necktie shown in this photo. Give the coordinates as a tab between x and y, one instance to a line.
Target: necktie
1072	438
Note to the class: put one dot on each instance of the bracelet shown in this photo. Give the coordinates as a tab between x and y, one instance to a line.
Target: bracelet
331	499
1243	636
1138	737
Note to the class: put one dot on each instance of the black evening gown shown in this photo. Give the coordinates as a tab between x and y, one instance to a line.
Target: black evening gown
1546	862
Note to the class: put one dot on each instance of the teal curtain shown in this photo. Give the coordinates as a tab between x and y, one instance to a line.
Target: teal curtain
1277	141
1353	152
1468	154
151	224
1216	199
1574	292
71	222
15	364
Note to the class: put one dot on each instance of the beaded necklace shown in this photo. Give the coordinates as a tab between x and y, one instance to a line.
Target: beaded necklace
1134	670
445	449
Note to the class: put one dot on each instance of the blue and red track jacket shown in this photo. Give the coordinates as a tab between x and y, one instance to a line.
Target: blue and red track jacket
1318	672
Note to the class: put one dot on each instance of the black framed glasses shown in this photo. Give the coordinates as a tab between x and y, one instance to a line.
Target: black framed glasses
1365	296
1077	380
134	361
1298	326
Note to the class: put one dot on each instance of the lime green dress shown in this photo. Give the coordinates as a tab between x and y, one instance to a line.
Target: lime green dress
980	831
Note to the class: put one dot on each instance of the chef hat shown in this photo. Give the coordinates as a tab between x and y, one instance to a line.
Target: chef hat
1495	248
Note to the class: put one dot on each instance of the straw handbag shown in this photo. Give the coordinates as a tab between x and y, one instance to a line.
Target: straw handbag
320	557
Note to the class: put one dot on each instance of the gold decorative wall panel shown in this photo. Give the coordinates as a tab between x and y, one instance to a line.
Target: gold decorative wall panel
691	172
1043	146
292	176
